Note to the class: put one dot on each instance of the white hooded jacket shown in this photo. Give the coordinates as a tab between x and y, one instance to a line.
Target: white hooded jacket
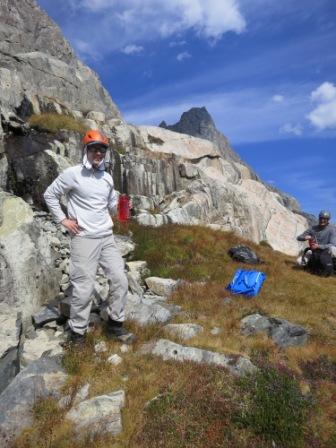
91	197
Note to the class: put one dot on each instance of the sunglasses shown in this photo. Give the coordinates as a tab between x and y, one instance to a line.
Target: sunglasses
95	149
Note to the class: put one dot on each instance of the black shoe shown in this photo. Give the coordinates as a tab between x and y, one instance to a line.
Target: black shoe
74	339
117	331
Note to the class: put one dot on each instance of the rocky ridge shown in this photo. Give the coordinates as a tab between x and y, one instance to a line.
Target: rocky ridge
39	71
198	122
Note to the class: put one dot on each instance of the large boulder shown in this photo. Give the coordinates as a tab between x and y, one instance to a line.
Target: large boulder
28	277
282	332
41	379
99	414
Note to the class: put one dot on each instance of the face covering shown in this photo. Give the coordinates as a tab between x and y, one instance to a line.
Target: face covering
88	164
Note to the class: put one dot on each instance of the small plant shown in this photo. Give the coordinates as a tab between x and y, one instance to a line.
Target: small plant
155	140
274	407
197	414
53	122
320	368
265	243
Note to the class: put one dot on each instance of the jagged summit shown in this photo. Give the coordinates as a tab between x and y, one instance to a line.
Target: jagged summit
198	122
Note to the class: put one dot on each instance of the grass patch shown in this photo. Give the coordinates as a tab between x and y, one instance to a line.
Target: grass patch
274	407
197	413
53	123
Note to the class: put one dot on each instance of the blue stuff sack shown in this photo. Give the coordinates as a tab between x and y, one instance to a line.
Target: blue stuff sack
245	282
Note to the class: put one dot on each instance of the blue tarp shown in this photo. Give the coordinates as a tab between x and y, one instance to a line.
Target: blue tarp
245	282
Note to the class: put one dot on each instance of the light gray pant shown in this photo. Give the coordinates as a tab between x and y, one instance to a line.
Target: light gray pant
86	254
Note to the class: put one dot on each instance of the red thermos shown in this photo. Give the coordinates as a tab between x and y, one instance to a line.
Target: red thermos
123	208
312	241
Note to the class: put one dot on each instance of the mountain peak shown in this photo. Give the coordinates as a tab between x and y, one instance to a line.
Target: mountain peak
197	122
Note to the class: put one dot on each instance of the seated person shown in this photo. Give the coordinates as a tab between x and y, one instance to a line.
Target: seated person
322	243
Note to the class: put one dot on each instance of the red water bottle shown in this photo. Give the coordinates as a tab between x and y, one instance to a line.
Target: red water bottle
123	208
312	243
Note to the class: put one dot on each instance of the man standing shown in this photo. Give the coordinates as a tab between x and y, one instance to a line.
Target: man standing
322	242
91	197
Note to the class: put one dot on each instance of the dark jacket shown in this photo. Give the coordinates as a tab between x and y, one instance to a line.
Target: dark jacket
324	236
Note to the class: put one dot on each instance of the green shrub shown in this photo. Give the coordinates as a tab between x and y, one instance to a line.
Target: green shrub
274	407
53	122
195	415
265	243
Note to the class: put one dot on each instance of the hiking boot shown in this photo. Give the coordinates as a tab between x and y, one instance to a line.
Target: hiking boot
74	339
115	330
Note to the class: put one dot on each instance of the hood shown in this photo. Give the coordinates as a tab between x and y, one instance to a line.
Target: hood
88	164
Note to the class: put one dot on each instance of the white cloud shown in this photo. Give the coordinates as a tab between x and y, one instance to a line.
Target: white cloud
178	43
150	19
184	55
289	128
324	93
87	51
132	49
278	98
324	115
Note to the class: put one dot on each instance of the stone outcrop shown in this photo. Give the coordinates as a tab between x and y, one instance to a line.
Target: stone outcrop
39	71
28	276
41	379
237	365
100	414
282	332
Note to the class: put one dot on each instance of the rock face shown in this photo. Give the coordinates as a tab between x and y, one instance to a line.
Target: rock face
28	276
198	122
10	331
175	178
39	71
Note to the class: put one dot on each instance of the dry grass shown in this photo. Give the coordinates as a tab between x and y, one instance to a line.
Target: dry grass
53	122
199	254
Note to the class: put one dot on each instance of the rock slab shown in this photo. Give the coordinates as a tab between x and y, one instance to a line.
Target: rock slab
282	332
184	331
99	414
39	380
168	350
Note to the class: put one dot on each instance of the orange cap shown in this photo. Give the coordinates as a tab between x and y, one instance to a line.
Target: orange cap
93	136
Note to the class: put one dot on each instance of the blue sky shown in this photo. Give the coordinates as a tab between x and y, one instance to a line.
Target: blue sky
265	70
